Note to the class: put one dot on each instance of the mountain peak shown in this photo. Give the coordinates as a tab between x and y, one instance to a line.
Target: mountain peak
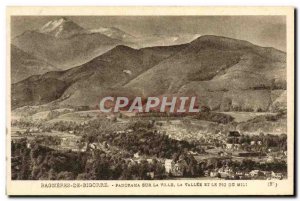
61	28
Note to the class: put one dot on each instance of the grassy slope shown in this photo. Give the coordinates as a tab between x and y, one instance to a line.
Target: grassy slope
219	70
83	85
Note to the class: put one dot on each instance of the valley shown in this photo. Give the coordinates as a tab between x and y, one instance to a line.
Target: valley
62	70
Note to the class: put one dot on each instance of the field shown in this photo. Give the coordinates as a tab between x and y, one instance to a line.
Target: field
246	116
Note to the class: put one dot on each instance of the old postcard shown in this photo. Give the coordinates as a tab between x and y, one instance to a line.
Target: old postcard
150	101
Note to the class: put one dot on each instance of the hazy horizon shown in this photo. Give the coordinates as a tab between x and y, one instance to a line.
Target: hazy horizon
267	31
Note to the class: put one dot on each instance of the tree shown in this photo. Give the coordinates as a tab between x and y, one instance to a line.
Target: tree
65	175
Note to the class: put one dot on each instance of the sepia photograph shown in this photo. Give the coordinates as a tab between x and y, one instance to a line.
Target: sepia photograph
164	99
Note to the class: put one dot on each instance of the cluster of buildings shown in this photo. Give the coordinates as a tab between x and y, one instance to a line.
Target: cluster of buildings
229	173
228	146
174	168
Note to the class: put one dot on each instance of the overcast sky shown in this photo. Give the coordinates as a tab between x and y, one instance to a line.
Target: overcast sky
268	31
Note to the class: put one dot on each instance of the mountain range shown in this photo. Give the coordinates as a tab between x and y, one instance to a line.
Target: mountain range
64	44
226	74
24	65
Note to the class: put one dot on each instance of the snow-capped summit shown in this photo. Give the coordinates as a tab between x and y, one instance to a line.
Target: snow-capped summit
61	28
